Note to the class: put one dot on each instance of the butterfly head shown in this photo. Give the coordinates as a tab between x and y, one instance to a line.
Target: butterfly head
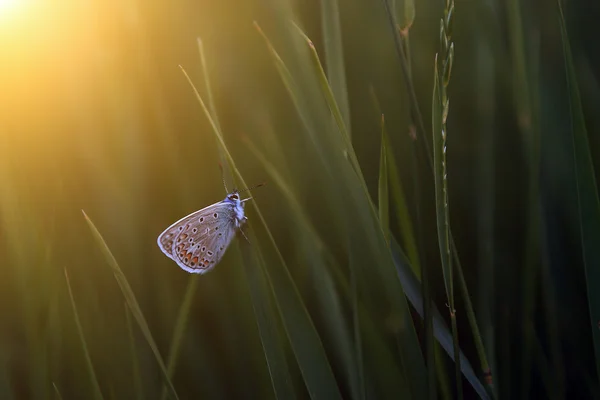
238	205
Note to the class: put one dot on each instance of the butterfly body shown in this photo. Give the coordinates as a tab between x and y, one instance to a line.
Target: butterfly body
198	241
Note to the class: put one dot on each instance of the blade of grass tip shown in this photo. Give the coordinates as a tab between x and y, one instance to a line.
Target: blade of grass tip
411	288
88	359
180	325
331	102
383	194
56	391
265	314
131	302
403	217
137	379
587	192
334	55
305	340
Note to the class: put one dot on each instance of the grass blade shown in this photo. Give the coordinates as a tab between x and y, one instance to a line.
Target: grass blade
132	303
137	377
264	312
441	199
334	55
384	207
180	325
349	355
56	391
587	193
88	360
411	288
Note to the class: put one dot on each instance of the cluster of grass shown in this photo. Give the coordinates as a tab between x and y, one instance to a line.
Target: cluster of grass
406	245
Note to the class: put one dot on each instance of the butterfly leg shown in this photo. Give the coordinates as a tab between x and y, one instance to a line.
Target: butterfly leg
246	237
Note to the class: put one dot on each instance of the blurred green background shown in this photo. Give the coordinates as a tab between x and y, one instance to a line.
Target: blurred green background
347	241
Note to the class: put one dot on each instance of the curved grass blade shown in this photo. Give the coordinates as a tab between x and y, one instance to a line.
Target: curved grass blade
311	242
299	327
411	288
88	360
587	193
132	303
389	376
270	337
359	192
56	391
180	325
137	377
383	193
334	55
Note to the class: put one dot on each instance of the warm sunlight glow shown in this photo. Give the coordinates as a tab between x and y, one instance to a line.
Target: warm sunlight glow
7	6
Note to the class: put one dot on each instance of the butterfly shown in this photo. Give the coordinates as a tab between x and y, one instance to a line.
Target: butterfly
198	241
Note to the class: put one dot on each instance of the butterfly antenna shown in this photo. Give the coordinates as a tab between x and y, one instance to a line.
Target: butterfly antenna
223	177
253	187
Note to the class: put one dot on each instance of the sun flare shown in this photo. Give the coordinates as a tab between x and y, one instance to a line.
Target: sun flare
7	5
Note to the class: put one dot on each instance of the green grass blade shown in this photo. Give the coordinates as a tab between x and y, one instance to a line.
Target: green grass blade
438	114
132	303
587	193
88	360
265	314
137	376
441	197
324	284
334	55
391	379
180	325
411	288
359	192
403	217
57	392
384	206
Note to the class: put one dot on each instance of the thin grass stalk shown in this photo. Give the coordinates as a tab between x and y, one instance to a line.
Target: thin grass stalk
97	393
383	192
588	201
334	54
137	378
530	140
263	307
132	302
180	325
57	392
420	128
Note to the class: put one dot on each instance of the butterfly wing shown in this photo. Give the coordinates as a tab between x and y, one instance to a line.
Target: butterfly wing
197	242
